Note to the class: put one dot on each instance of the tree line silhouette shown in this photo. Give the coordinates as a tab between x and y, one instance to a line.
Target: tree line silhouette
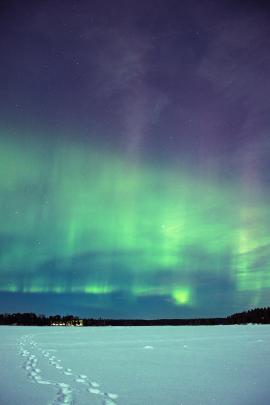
31	319
257	315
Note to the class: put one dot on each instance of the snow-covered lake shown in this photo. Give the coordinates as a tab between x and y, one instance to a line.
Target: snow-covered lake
135	365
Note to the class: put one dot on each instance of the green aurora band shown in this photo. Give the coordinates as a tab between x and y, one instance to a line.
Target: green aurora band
78	219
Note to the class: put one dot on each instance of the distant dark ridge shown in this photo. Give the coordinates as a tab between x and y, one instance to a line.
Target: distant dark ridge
257	315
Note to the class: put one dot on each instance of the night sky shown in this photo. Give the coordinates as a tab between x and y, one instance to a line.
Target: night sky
134	157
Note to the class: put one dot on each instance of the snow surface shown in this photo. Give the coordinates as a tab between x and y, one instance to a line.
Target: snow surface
135	365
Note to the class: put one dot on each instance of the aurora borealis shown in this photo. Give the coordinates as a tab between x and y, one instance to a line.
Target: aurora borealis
134	158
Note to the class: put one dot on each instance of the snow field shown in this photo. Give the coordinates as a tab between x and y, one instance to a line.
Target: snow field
135	365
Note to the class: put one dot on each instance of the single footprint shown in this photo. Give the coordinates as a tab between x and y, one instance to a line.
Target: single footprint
43	382
68	371
80	380
67	390
94	390
33	373
63	385
109	402
94	384
112	396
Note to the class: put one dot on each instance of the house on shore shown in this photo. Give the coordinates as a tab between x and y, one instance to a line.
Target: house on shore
74	322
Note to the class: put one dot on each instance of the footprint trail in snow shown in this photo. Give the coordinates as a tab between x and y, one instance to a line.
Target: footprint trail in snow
33	354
